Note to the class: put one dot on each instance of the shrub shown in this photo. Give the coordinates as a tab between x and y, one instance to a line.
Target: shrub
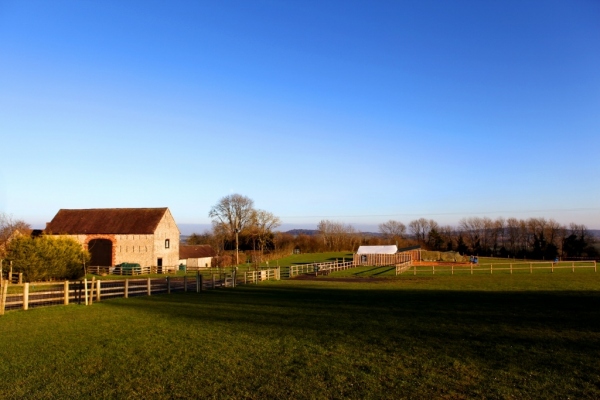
451	256
47	258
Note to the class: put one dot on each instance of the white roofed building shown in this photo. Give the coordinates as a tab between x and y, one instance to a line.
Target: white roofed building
391	249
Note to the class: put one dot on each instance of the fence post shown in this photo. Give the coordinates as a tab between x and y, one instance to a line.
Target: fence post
149	287
511	268
92	290
4	284
86	291
98	290
594	267
126	289
20	278
433	269
26	296
471	268
197	281
531	268
185	283
213	281
66	301
573	266
491	269
168	285
552	267
452	269
415	270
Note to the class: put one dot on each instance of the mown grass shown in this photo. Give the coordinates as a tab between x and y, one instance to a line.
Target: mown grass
481	336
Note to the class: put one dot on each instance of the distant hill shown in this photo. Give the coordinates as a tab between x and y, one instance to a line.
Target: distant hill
296	232
312	232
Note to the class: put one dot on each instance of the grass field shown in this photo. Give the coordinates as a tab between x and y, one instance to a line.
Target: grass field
480	336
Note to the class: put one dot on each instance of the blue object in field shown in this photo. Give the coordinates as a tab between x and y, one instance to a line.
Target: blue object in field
475	260
555	259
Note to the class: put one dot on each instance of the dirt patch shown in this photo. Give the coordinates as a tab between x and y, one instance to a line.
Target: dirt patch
440	263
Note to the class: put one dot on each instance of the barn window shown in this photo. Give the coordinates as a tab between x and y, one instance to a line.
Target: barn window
167	243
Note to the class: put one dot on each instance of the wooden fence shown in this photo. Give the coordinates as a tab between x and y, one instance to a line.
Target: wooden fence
403	266
315	268
262	275
503	267
28	295
130	271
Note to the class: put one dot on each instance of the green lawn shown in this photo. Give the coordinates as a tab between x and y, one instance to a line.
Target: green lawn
480	336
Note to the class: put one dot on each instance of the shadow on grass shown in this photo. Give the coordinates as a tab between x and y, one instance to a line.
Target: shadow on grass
537	344
454	314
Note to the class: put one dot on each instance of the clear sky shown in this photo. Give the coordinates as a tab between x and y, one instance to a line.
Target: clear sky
354	111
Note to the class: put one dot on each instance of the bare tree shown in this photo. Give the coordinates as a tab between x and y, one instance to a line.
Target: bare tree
420	229
472	228
264	222
235	213
338	236
10	228
392	230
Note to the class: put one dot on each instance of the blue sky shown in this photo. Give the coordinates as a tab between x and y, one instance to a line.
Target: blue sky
353	111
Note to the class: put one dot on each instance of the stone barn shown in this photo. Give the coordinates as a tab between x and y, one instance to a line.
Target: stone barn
146	236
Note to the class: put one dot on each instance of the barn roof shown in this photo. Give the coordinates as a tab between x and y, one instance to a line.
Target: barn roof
119	221
197	251
377	249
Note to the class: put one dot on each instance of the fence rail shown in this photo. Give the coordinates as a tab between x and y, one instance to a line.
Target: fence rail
29	295
503	267
130	271
403	266
315	268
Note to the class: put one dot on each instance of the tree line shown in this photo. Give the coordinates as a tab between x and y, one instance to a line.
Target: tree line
535	238
234	217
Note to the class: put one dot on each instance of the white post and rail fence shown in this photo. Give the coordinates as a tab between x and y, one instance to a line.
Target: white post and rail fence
507	268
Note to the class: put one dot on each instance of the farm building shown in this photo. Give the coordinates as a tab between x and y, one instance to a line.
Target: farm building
146	236
195	257
386	255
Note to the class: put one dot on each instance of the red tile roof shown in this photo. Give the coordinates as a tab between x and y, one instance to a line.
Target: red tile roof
118	221
197	251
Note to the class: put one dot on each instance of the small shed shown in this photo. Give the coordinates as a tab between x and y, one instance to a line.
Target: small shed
385	255
196	256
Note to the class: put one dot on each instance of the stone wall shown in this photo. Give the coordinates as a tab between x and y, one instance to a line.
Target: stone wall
167	230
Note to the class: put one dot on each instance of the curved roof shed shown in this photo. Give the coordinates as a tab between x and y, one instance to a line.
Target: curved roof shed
392	249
